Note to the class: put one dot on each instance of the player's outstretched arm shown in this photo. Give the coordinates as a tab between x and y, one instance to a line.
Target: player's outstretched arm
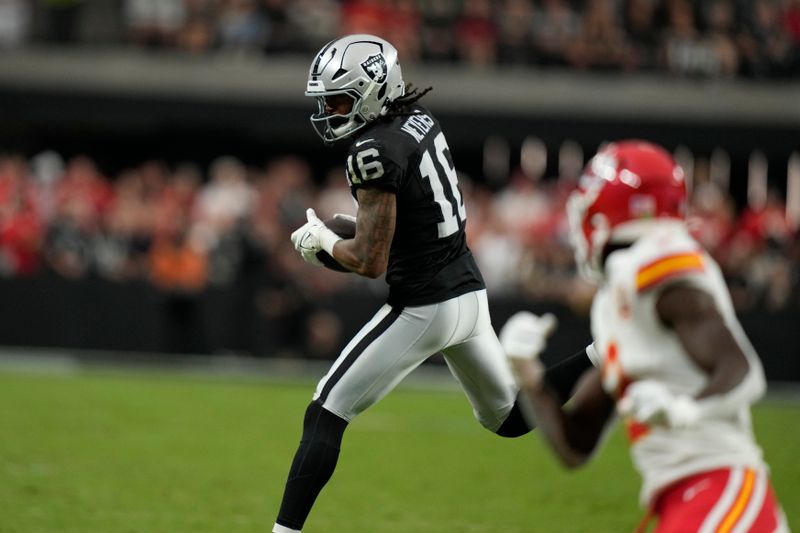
368	253
572	431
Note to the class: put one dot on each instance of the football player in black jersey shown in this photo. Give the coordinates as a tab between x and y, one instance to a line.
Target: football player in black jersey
410	226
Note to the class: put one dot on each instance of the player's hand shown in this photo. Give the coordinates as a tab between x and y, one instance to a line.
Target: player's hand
306	239
524	335
651	403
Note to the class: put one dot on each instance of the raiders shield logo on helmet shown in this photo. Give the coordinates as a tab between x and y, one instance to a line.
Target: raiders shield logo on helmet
375	67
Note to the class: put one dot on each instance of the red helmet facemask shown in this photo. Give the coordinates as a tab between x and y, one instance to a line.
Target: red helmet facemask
627	189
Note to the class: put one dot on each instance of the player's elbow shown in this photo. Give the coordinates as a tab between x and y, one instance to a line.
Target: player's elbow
761	385
755	382
372	271
573	459
371	268
367	261
577	448
745	375
570	455
573	464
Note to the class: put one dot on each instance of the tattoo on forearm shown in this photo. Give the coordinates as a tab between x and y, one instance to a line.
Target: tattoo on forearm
376	222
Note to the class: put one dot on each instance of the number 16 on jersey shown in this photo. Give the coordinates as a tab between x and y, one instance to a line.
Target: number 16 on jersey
366	165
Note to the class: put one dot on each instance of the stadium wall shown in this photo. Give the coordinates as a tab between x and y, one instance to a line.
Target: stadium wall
124	105
97	314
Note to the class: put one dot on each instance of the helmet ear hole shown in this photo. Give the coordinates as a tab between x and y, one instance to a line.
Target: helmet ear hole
382	92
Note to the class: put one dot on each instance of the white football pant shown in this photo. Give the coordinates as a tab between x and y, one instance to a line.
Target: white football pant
396	341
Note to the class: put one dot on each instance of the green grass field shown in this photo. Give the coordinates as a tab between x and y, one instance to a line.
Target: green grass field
116	453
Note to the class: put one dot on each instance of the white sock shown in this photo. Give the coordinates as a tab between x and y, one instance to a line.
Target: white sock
277	528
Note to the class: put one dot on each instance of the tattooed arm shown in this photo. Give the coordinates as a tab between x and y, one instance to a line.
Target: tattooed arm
368	253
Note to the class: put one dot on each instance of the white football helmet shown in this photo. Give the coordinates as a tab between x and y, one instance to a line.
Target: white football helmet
364	67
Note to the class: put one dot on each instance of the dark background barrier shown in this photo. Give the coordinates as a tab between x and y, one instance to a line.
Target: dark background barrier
93	313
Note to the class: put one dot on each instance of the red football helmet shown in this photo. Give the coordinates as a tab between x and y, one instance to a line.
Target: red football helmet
626	189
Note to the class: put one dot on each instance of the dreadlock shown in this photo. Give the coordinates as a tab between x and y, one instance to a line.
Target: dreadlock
399	106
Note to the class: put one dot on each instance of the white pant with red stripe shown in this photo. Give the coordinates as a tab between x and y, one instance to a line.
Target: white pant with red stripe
396	341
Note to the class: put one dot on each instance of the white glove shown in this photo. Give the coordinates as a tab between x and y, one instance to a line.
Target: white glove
306	239
651	403
525	334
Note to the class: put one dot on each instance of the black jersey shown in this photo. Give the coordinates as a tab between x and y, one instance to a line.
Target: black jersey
429	260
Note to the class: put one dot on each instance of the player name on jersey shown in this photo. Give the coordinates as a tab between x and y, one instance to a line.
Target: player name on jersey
418	126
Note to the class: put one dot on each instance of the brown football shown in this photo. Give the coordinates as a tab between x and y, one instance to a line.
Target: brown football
345	229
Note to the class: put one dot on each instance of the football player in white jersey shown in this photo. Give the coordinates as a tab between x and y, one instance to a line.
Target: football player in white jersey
674	362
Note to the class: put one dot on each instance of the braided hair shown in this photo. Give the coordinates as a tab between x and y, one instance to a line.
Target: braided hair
399	106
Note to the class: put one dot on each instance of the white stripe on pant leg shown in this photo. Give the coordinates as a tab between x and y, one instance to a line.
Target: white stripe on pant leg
783	524
755	505
365	330
725	501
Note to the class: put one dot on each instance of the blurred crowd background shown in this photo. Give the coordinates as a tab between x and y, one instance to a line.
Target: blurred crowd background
184	228
136	215
712	38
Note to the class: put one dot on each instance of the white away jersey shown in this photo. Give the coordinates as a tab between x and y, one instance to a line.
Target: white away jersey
633	345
